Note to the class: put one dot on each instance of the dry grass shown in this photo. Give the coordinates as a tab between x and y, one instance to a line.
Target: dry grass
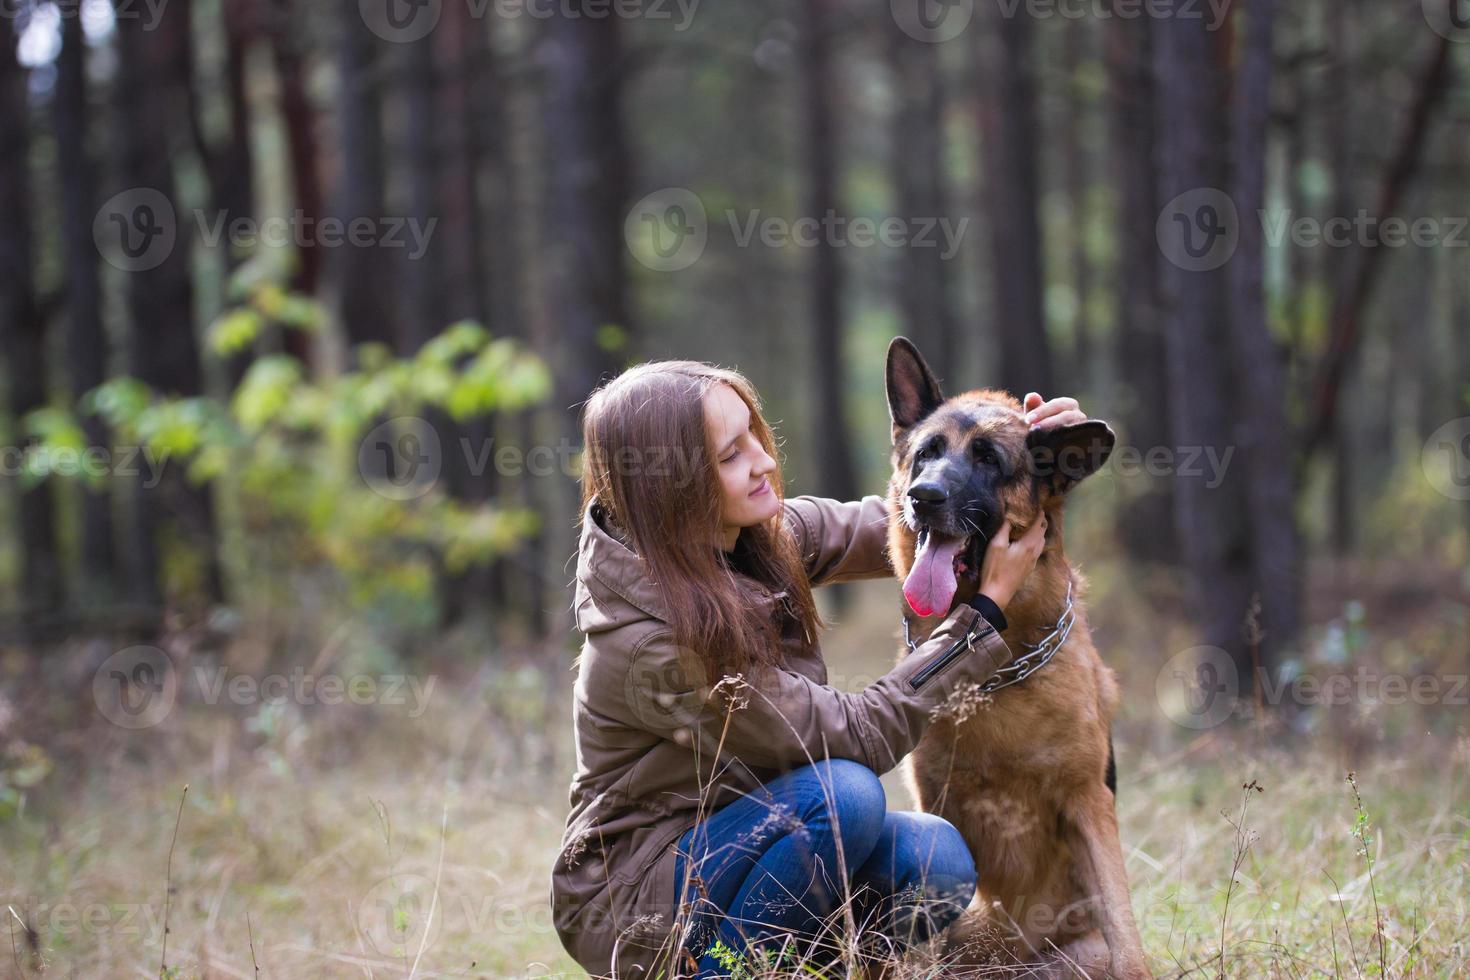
313	843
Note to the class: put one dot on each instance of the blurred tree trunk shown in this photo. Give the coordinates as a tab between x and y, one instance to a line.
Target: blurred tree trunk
231	166
422	316
361	281
86	343
918	166
1142	364
835	472
516	308
461	53
1342	52
1008	115
22	329
588	188
586	196
152	101
1304	265
1191	90
1264	436
1361	270
288	42
1460	337
464	274
1083	367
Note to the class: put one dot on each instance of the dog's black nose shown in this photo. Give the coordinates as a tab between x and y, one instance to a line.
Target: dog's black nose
927	494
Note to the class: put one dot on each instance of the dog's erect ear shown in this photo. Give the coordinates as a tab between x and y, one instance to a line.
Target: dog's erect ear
1063	456
913	391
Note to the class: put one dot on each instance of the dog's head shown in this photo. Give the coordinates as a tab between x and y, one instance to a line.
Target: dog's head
961	466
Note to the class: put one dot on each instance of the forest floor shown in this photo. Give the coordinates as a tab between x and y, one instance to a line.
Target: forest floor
319	842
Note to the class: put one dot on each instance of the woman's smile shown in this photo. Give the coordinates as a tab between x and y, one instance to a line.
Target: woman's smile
765	487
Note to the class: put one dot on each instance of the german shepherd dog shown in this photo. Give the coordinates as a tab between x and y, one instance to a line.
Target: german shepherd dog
1025	773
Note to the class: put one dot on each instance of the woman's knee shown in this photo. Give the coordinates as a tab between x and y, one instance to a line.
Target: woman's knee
927	849
852	796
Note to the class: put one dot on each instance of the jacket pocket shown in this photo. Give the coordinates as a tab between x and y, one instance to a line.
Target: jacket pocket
955	651
655	846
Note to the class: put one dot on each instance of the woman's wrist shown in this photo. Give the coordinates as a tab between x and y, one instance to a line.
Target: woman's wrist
990	609
999	592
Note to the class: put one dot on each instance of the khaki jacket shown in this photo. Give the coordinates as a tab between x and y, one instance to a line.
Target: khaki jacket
648	739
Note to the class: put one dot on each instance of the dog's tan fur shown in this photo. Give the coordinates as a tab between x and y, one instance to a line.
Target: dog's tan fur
1022	774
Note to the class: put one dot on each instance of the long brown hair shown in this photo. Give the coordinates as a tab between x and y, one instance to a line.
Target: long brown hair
649	464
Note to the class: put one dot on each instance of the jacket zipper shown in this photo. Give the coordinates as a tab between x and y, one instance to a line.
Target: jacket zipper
963	644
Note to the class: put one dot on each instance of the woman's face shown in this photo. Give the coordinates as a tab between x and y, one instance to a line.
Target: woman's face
746	495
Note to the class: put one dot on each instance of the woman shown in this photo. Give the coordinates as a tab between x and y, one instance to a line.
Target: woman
726	797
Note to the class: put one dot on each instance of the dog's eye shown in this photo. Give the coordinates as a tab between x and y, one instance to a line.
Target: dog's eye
986	454
928	451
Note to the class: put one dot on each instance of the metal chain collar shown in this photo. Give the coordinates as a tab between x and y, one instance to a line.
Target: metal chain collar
1037	654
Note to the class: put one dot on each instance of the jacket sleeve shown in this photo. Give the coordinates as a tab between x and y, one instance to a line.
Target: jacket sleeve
778	718
841	542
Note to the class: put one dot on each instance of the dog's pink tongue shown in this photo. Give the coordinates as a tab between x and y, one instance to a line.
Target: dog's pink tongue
931	583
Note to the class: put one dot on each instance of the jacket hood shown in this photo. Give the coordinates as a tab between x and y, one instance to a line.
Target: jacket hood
615	586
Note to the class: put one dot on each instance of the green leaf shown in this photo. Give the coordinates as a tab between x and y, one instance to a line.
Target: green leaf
611	337
234	331
119	402
265	391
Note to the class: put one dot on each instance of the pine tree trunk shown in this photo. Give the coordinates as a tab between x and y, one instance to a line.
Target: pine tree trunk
86	343
21	341
1008	114
423	313
1264	435
152	99
917	163
360	278
835	473
1214	537
288	41
587	185
1144	414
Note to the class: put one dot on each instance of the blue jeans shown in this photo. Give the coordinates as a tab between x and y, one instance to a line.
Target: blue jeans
778	862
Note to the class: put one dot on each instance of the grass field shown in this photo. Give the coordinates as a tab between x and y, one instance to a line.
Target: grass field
319	842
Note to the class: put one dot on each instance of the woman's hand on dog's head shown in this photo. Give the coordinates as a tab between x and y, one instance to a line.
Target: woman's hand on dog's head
1048	414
